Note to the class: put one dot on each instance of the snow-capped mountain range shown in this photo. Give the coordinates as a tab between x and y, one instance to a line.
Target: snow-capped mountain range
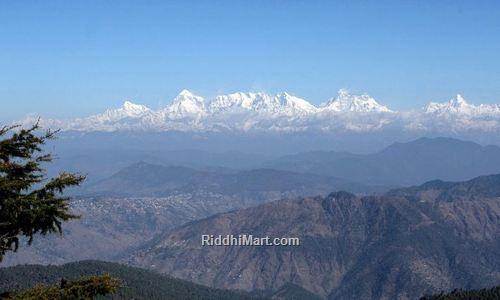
284	113
345	102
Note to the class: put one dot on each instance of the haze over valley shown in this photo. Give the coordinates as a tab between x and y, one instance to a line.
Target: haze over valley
145	210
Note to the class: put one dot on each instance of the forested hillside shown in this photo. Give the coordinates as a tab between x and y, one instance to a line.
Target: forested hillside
137	283
482	294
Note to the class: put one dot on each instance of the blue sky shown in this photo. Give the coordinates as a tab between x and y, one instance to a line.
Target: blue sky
66	59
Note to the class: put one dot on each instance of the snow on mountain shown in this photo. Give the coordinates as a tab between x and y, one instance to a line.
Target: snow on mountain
293	105
459	106
235	103
128	110
128	116
285	113
346	102
455	115
185	105
260	103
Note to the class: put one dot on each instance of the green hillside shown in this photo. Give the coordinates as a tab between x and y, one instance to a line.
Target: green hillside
138	283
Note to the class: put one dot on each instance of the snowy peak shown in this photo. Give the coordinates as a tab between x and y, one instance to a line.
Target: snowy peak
261	103
234	103
186	104
346	102
127	110
459	100
282	104
132	109
186	94
459	106
292	104
188	97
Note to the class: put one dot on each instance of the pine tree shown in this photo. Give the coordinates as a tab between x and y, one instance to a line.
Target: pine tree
31	204
84	288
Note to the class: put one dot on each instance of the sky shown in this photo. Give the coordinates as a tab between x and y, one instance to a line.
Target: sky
66	59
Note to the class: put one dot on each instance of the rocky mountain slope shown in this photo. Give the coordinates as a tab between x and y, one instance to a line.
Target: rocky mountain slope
402	245
109	228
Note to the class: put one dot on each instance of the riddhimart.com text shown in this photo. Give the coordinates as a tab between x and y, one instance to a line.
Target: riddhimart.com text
247	240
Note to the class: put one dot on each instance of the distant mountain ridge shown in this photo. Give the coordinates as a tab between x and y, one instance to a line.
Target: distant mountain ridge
144	179
401	245
285	113
484	186
99	163
407	163
400	164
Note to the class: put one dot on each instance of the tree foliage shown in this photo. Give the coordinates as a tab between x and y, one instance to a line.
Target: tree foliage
135	283
84	288
459	294
29	202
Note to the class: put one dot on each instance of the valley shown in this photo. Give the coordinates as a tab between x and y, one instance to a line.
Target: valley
356	224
